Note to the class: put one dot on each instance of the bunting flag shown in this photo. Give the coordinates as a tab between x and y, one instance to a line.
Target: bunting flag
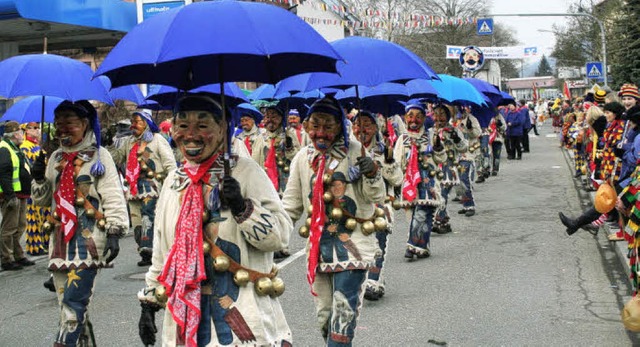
535	92
566	91
427	22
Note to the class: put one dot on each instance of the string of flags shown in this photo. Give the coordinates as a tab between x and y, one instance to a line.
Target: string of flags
427	22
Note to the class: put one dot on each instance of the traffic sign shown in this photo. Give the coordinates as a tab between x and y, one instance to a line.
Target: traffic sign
595	70
485	26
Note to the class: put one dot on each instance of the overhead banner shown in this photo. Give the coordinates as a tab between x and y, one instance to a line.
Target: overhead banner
515	52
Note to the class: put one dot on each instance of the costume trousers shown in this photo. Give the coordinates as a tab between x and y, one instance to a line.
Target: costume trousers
483	162
338	304
420	228
14	223
75	290
37	241
496	151
144	231
375	273
442	216
467	176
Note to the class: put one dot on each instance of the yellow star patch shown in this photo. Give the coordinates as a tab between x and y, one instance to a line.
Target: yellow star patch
72	276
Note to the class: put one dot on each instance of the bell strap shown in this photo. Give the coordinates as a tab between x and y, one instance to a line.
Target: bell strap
234	267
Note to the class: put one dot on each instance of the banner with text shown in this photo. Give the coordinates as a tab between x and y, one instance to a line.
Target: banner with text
515	52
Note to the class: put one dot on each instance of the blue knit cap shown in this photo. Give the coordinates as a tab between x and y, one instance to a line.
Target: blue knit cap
413	104
146	115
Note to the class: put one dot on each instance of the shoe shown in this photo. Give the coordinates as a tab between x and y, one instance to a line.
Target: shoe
49	284
281	254
408	254
527	151
519	158
436	229
480	179
445	229
470	213
145	261
26	262
425	254
486	175
463	211
371	294
577	175
456	199
510	158
13	266
494	173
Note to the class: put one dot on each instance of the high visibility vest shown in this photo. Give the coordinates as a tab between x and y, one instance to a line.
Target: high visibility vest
15	162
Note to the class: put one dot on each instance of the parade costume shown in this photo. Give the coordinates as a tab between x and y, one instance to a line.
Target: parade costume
420	159
89	216
469	126
249	138
37	241
147	159
498	127
341	246
576	140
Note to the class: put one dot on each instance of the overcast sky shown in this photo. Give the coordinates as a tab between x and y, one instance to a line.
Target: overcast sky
526	28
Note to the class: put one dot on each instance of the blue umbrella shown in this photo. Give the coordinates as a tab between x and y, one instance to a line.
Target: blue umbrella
264	92
49	75
489	90
167	96
484	114
218	41
368	62
29	109
506	99
300	100
383	98
246	109
129	92
456	91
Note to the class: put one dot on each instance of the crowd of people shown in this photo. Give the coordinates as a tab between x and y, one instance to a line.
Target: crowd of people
209	235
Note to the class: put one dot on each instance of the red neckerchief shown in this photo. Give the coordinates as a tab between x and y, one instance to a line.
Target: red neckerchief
392	133
184	267
132	172
317	220
247	143
298	134
412	176
33	139
494	131
270	164
65	198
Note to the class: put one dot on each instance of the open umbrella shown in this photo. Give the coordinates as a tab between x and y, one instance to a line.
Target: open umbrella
167	96
265	92
506	99
227	41
489	90
382	98
456	91
129	92
29	109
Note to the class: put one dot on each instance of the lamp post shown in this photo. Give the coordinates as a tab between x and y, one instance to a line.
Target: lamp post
579	14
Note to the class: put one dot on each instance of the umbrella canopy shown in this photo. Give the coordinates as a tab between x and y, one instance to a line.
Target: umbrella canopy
300	100
227	41
456	91
506	99
167	96
264	92
49	75
246	109
367	62
29	109
489	90
129	92
383	98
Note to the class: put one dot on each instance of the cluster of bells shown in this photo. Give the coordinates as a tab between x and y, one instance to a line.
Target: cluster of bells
80	202
379	223
282	164
474	147
145	167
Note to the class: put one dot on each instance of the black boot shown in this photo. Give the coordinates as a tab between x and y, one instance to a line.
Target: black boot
146	259
585	218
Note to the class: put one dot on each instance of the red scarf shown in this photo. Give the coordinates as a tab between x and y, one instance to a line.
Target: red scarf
494	131
270	164
64	198
412	176
298	134
317	221
133	169
392	133
247	143
184	268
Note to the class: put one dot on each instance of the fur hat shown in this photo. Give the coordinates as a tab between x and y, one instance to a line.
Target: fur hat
599	96
615	108
11	127
629	89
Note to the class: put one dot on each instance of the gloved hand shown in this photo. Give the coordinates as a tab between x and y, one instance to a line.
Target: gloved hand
619	152
455	137
232	195
112	247
499	123
437	144
469	124
39	167
388	155
288	142
367	166
147	324
12	203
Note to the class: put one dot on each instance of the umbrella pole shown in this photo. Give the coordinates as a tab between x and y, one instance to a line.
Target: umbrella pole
227	140
42	124
362	150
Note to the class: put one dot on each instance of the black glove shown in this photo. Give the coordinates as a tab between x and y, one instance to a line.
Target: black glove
455	137
619	152
38	169
366	165
232	195
499	123
147	324
469	124
385	133
388	155
288	142
112	246
437	144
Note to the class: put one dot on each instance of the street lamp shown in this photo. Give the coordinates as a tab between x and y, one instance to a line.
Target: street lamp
579	14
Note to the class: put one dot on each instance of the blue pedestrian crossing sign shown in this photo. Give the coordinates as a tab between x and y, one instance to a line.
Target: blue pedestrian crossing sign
595	70
485	26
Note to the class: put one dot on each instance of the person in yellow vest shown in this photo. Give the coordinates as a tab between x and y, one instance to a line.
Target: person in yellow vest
15	188
37	240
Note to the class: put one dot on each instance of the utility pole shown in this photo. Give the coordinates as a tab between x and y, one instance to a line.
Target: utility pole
603	37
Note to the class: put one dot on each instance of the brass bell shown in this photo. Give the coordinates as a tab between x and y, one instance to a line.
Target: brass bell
310	209
264	286
205	215
144	167
396	204
161	294
308	222
472	149
80	201
327	196
303	231
285	168
368	228
151	174
140	159
380	223
55	215
450	156
379	212
159	177
280	163
336	213
221	263
326	178
440	175
140	151
102	223
278	287
47	227
90	213
351	224
241	278
432	173
206	247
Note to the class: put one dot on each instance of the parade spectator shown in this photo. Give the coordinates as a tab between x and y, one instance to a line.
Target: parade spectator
86	237
15	188
498	127
340	188
147	158
629	95
514	132
523	111
533	118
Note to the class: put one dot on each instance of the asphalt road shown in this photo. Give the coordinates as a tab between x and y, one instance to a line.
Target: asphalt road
508	276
